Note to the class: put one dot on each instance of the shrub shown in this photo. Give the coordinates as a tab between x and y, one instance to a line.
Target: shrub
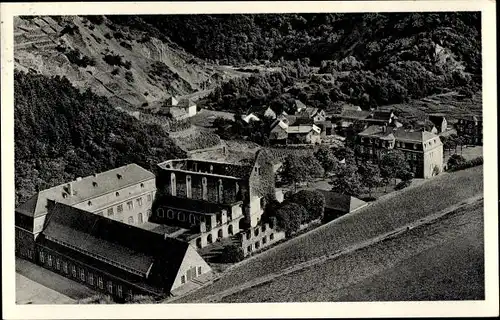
403	184
113	59
126	45
115	71
71	30
231	254
95	19
313	201
107	35
118	35
127	65
289	217
76	57
455	161
466	164
436	171
129	76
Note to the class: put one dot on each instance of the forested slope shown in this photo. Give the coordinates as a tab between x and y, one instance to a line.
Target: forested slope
61	134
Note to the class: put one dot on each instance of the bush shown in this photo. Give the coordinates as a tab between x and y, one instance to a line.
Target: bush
107	35
126	45
113	59
129	76
290	216
455	161
313	201
81	60
231	254
95	19
115	71
466	164
403	184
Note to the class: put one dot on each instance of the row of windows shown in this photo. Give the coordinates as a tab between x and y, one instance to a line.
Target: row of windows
99	257
258	243
190	274
80	274
130	205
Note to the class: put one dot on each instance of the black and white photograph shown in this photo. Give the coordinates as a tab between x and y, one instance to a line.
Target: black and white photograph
184	158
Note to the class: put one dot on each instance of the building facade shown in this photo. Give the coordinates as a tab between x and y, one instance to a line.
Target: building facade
471	127
214	198
125	194
112	257
423	150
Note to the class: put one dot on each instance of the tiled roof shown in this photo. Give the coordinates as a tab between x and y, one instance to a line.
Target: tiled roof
303	129
177	112
185	103
120	243
350	107
381	115
308	112
354	115
398	133
341	202
299	104
86	188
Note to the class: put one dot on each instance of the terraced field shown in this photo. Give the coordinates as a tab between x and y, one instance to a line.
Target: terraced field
439	261
394	211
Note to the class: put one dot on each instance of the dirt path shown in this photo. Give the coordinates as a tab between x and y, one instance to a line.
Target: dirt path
321	259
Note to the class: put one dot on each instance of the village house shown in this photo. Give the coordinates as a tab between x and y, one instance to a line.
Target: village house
471	127
315	114
337	205
125	194
213	199
423	150
439	120
112	257
257	113
179	109
297	133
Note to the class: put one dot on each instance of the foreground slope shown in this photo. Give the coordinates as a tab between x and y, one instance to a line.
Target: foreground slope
385	215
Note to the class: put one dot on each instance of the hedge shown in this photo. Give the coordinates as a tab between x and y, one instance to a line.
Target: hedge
468	164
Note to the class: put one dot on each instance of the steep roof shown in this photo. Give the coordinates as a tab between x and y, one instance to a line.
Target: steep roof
350	107
398	133
354	114
177	112
341	202
308	112
86	188
301	129
185	103
299	105
382	115
134	249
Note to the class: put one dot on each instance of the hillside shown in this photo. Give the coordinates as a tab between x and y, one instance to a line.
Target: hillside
127	66
62	134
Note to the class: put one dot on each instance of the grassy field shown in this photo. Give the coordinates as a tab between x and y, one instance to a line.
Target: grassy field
395	210
442	260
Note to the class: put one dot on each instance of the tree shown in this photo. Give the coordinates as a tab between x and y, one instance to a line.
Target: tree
313	201
347	180
298	169
327	159
453	141
231	254
455	161
289	217
370	176
392	164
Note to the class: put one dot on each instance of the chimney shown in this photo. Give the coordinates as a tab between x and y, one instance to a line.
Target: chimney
384	128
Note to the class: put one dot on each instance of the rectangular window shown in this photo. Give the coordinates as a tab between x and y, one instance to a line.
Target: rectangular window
199	270
30	253
149	198
82	274
73	271
264	240
99	282
130	205
110	212
119	208
271	236
65	267
42	257
139	201
119	290
58	264
183	279
110	287
91	279
249	248
49	260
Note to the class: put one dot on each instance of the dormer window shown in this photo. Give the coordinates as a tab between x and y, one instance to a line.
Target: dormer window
117	194
142	185
119	176
90	203
94	184
65	195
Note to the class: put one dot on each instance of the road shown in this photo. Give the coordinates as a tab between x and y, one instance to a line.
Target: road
442	260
